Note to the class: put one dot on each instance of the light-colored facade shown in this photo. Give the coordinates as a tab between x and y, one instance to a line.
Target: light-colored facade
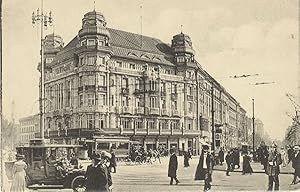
28	127
111	82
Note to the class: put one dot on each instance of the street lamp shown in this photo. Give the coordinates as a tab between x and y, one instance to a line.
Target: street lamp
39	18
253	118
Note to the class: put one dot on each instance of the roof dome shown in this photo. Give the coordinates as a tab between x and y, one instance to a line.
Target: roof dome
94	22
182	43
53	43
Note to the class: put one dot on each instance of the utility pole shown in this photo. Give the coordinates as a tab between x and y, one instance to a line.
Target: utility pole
253	124
212	119
43	20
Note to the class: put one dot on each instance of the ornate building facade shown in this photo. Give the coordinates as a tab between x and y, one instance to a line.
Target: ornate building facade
107	82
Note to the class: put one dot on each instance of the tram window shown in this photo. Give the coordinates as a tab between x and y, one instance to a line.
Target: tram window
103	146
122	146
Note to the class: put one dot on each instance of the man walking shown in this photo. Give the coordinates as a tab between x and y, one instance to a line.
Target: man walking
173	165
205	167
296	163
221	156
272	167
228	160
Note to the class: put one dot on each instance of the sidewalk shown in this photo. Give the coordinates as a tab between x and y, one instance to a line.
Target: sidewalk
257	168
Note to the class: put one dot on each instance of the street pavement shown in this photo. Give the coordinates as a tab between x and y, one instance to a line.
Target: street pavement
153	177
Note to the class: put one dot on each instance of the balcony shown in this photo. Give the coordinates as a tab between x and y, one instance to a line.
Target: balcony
102	88
90	87
174	96
175	113
125	91
126	109
164	112
190	97
138	91
154	111
153	92
139	110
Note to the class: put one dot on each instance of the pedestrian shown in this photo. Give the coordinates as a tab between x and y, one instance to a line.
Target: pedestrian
205	167
186	156
246	164
18	174
98	177
272	169
290	153
221	156
113	162
296	163
228	160
283	156
173	165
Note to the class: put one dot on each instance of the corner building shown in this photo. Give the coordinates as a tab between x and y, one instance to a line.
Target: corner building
107	82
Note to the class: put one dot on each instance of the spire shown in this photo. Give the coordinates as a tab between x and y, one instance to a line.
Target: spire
94	5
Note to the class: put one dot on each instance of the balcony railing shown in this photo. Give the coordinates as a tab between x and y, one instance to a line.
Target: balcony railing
190	97
126	109
139	110
163	94
175	113
125	91
138	91
154	111
164	112
102	88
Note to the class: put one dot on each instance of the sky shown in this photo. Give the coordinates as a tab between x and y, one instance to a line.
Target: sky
231	37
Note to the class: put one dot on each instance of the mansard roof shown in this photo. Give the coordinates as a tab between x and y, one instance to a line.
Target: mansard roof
126	44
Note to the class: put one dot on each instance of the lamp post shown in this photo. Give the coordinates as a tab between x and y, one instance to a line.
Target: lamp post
253	125
39	18
253	118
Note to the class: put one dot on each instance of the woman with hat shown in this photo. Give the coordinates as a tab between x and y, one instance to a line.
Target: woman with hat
296	163
18	170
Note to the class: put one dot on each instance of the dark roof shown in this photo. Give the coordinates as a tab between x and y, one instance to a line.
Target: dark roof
125	44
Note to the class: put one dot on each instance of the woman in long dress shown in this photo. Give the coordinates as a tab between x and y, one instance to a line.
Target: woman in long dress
18	182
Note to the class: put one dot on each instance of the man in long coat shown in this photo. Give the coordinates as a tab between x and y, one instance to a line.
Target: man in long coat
205	167
98	178
221	156
272	167
173	165
296	163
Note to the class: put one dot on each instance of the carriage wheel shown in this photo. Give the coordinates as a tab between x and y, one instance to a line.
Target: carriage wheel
138	160
127	161
78	184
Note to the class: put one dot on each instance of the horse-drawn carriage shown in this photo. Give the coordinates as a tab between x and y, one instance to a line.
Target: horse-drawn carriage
49	167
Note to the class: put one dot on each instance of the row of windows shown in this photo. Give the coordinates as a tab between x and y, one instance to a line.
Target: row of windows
27	137
127	123
92	42
27	129
91	60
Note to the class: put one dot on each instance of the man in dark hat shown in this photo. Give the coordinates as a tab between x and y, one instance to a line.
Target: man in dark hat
173	165
272	167
97	175
205	167
229	162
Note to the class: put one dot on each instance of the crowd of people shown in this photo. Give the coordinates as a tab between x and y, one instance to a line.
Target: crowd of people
270	158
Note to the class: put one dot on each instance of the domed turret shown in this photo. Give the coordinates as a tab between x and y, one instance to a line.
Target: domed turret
182	48
182	43
53	43
93	23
